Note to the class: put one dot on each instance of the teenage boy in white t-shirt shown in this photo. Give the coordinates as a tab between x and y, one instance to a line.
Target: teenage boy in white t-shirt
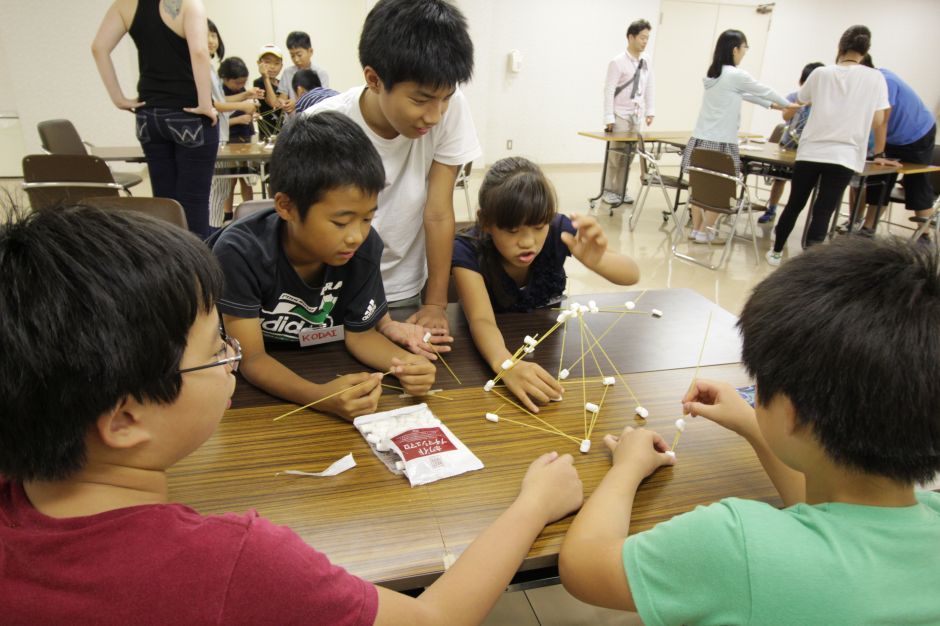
849	101
414	54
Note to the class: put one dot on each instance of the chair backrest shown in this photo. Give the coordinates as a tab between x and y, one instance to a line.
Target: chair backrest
252	206
166	209
54	179
463	175
60	137
708	187
777	134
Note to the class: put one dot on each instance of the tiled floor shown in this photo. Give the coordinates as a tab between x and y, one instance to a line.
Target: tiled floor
649	245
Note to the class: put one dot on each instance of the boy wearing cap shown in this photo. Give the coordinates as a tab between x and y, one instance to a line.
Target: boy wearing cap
270	62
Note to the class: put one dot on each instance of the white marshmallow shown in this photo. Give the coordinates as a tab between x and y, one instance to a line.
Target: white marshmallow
680	424
489	385
630	305
591	407
670	453
592	304
372	438
642	412
563	374
492	417
427	337
382	446
574	307
400	465
562	317
528	349
656	313
529	341
507	364
583	309
609	380
585	446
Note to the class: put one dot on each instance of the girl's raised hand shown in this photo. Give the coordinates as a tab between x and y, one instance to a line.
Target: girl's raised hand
589	244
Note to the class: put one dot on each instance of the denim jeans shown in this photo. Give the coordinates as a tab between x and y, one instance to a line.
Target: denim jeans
180	149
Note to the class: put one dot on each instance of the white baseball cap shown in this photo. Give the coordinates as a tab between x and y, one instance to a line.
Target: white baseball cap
270	49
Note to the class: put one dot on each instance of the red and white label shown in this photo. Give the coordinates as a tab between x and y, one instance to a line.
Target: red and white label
316	336
422	442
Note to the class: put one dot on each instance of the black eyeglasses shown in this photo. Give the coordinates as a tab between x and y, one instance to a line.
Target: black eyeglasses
231	344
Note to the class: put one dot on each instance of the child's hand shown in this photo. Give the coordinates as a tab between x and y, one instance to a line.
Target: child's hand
532	384
639	449
722	404
551	487
415	373
411	338
209	112
355	401
256	93
247	106
589	244
128	104
288	105
433	317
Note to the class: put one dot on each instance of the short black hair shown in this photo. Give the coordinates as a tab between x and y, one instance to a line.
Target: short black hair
637	27
214	29
808	69
317	153
855	39
299	39
848	332
232	68
95	307
425	41
308	79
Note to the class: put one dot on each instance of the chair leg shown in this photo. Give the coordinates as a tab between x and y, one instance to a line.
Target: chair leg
638	206
466	193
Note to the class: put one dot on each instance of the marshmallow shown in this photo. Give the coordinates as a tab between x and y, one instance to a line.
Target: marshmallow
574	307
563	374
400	465
630	305
642	412
609	380
592	304
382	446
529	341
585	446
656	313
583	309
680	424
529	349
507	364
492	417
372	438
489	385
591	407
427	337
562	317
670	453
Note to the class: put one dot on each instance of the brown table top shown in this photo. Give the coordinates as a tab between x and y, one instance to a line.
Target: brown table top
372	523
637	343
772	153
227	152
666	136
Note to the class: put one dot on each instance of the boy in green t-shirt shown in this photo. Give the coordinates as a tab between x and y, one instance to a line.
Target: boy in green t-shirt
843	344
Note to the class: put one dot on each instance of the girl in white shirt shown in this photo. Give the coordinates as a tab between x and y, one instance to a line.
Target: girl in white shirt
849	101
720	116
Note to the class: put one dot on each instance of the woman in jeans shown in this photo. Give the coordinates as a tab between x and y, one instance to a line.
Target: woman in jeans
176	123
849	102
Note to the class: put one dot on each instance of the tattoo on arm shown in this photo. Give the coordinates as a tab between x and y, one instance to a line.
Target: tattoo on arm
172	7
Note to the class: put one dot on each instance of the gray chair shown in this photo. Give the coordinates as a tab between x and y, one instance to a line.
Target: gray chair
251	206
166	209
463	182
52	180
651	175
60	137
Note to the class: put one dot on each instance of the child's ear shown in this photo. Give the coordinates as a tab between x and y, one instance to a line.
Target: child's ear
373	82
123	426
285	207
791	424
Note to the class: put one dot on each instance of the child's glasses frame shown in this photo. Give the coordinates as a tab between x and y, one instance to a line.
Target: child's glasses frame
230	361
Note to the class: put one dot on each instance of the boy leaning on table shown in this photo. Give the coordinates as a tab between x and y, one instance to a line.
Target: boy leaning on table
113	369
843	343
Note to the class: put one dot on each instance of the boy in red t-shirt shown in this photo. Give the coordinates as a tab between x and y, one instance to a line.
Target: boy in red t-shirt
113	369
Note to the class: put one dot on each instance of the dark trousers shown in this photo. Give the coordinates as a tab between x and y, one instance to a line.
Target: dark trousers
180	149
832	179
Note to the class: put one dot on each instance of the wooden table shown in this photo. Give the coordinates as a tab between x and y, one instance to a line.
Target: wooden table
228	153
375	525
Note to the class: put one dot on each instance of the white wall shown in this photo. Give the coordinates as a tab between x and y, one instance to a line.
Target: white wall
48	69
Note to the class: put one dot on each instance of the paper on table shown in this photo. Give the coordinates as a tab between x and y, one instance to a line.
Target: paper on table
340	466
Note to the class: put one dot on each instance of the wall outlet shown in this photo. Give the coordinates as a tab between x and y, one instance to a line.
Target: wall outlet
509	144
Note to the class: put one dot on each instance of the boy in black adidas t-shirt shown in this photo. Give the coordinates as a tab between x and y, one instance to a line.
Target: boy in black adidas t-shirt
308	270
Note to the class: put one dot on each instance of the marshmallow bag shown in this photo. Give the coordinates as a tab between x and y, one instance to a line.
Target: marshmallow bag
414	442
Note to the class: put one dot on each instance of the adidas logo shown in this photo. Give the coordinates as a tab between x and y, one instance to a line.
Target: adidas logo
370	310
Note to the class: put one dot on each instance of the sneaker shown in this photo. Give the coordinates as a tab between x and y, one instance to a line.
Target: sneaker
693	234
611	198
627	198
773	258
708	236
768	215
867	233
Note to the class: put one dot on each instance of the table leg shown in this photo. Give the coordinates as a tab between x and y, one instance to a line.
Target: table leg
593	201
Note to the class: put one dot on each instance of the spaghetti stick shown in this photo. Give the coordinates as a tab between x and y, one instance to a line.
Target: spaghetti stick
441	357
597	340
533	426
701	352
310	404
675	441
616	371
583	374
524	410
561	359
517	356
600	408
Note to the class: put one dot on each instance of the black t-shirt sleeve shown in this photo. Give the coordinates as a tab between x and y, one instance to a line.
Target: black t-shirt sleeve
464	255
242	292
367	304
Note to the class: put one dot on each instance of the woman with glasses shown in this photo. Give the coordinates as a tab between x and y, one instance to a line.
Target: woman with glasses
726	85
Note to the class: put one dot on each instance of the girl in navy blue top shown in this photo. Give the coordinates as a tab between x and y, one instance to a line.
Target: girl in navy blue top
513	259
